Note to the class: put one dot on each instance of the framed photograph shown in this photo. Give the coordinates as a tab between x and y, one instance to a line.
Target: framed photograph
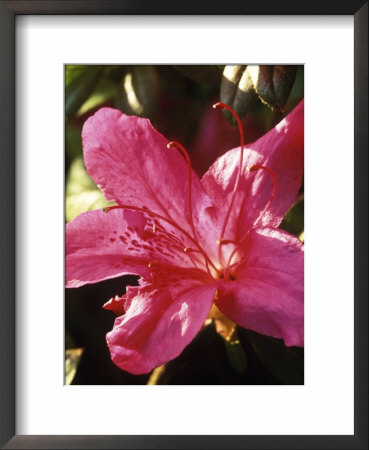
162	167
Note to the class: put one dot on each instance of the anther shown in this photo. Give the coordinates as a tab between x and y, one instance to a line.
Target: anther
274	191
152	264
190	250
271	173
237	247
220	105
251	168
174	144
227	241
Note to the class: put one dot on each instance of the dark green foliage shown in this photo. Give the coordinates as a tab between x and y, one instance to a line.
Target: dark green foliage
80	81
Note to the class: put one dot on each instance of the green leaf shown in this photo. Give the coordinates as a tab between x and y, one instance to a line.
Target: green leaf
104	91
293	221
237	91
236	355
286	364
80	81
297	91
73	140
81	192
273	84
73	72
72	359
141	90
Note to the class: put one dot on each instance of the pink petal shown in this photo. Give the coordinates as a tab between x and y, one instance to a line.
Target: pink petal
268	293
105	245
129	160
281	150
116	304
158	325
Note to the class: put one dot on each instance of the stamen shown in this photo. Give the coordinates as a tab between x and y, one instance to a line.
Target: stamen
190	250
152	264
227	241
238	246
180	147
151	213
275	186
221	105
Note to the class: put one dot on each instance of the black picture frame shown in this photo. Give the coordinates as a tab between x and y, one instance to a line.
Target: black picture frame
8	11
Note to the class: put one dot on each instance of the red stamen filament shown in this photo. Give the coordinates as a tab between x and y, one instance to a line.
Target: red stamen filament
151	213
174	144
230	241
227	241
222	106
184	152
239	243
189	251
274	191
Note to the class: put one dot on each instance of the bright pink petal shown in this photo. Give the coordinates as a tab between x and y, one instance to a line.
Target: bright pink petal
116	304
105	245
268	293
281	150
129	160
158	325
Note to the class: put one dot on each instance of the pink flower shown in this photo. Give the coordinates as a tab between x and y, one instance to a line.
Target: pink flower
216	242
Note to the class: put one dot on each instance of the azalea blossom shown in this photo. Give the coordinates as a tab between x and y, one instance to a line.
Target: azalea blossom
194	242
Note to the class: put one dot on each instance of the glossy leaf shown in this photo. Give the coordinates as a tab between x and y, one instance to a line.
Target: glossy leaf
80	82
273	84
72	359
141	90
293	221
286	364
81	192
236	356
105	91
237	91
228	330
297	91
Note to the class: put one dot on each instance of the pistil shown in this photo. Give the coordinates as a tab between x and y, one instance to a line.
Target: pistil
222	106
